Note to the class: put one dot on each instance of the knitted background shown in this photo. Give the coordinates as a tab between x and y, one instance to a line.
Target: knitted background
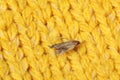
29	27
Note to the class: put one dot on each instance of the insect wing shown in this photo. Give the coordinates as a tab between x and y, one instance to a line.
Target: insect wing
65	46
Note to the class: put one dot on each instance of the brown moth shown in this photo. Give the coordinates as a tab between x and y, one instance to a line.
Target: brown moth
65	46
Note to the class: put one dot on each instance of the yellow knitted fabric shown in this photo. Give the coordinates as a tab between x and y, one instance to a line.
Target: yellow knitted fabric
29	27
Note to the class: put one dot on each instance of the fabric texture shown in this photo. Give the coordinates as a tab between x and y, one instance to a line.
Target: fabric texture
29	27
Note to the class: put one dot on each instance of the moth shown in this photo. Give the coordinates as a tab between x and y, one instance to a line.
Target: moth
65	46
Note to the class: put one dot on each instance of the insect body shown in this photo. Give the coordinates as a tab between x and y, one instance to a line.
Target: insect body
65	46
